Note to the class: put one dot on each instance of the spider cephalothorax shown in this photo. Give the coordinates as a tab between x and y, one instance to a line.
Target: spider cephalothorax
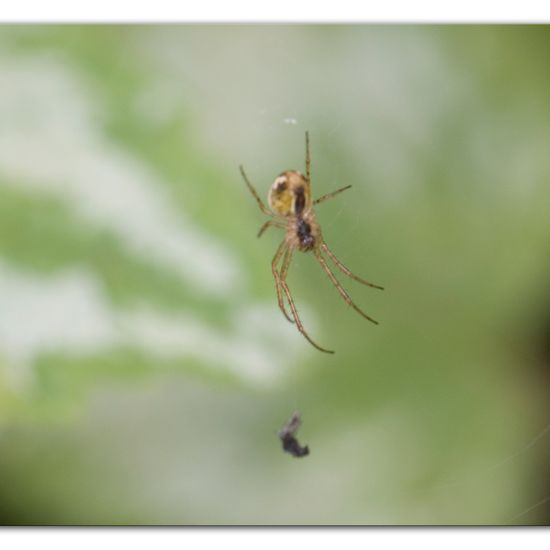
292	209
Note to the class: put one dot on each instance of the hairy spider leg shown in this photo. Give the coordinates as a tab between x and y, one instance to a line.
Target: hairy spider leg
293	306
345	270
285	265
282	249
308	159
339	287
299	322
270	223
262	206
283	271
330	195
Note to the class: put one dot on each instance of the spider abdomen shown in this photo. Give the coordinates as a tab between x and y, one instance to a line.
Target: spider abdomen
289	194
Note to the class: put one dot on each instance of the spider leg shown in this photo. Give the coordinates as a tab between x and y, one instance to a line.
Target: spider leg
299	322
262	206
286	264
339	287
284	271
282	249
344	269
308	158
268	224
330	195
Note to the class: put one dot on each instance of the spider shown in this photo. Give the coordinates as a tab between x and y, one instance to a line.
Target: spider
292	209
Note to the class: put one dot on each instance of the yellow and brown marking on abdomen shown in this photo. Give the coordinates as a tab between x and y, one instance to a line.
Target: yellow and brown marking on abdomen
290	195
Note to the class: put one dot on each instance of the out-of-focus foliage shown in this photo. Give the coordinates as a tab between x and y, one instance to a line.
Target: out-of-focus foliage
145	368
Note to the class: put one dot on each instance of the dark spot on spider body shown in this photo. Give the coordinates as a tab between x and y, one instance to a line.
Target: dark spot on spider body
282	185
300	201
307	240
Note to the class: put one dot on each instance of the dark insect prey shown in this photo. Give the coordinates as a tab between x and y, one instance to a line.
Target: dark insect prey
287	436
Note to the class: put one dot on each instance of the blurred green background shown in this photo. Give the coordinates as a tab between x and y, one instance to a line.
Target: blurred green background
145	368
